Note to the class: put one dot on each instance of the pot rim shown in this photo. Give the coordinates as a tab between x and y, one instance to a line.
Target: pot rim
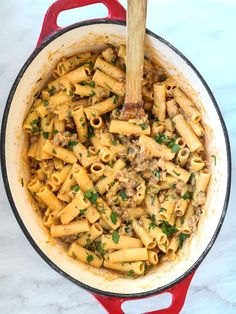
7	185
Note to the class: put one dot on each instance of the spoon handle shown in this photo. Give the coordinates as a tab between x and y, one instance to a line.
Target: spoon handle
137	10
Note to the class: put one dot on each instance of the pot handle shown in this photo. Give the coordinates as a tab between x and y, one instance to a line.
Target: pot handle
179	292
115	12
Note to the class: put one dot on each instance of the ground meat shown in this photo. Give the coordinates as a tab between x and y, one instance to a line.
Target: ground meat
63	138
193	222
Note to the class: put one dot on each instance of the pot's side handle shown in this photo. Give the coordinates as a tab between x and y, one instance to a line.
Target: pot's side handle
179	292
115	12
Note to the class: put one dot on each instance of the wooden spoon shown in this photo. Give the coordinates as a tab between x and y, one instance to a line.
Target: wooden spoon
136	29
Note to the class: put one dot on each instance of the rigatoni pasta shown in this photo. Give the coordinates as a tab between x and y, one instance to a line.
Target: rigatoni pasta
122	195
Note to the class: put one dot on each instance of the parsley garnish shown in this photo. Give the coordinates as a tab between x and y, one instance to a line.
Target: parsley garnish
45	102
168	229
162	209
123	195
100	248
130	273
71	144
75	188
187	196
52	90
92	84
182	238
82	211
176	173
115	99
153	222
175	148
113	217
83	83
90	258
90	131
161	138
115	142
214	157
54	151
45	134
92	93
34	125
157	173
115	236
91	195
192	176
55	131
143	126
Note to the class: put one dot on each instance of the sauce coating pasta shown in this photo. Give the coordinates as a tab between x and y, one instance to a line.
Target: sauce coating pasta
120	194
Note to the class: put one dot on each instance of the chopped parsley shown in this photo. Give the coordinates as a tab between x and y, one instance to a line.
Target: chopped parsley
130	273
34	125
214	157
90	258
22	182
127	229
168	229
55	131
100	207
115	142
115	236
45	102
90	131
115	99
92	84
123	195
143	126
175	148
161	138
91	195
153	222
82	211
83	83
192	176
71	144
182	238
54	151
106	116
113	217
157	173
75	188
187	196
176	173
45	134
162	209
89	63
52	90
92	93
100	248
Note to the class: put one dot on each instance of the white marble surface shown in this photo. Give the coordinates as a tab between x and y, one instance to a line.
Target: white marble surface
204	31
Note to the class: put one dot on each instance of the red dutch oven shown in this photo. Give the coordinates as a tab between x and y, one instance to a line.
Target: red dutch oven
54	42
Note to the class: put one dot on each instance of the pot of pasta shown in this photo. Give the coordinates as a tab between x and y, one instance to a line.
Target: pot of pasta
124	209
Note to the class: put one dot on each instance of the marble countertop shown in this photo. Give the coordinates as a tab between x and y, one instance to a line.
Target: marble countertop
204	31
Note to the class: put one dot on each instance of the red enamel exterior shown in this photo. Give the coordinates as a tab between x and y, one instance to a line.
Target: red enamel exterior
49	27
179	292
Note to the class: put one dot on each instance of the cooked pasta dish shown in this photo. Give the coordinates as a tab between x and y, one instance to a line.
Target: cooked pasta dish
122	195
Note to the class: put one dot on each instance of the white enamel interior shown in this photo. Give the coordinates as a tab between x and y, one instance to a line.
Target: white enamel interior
80	39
